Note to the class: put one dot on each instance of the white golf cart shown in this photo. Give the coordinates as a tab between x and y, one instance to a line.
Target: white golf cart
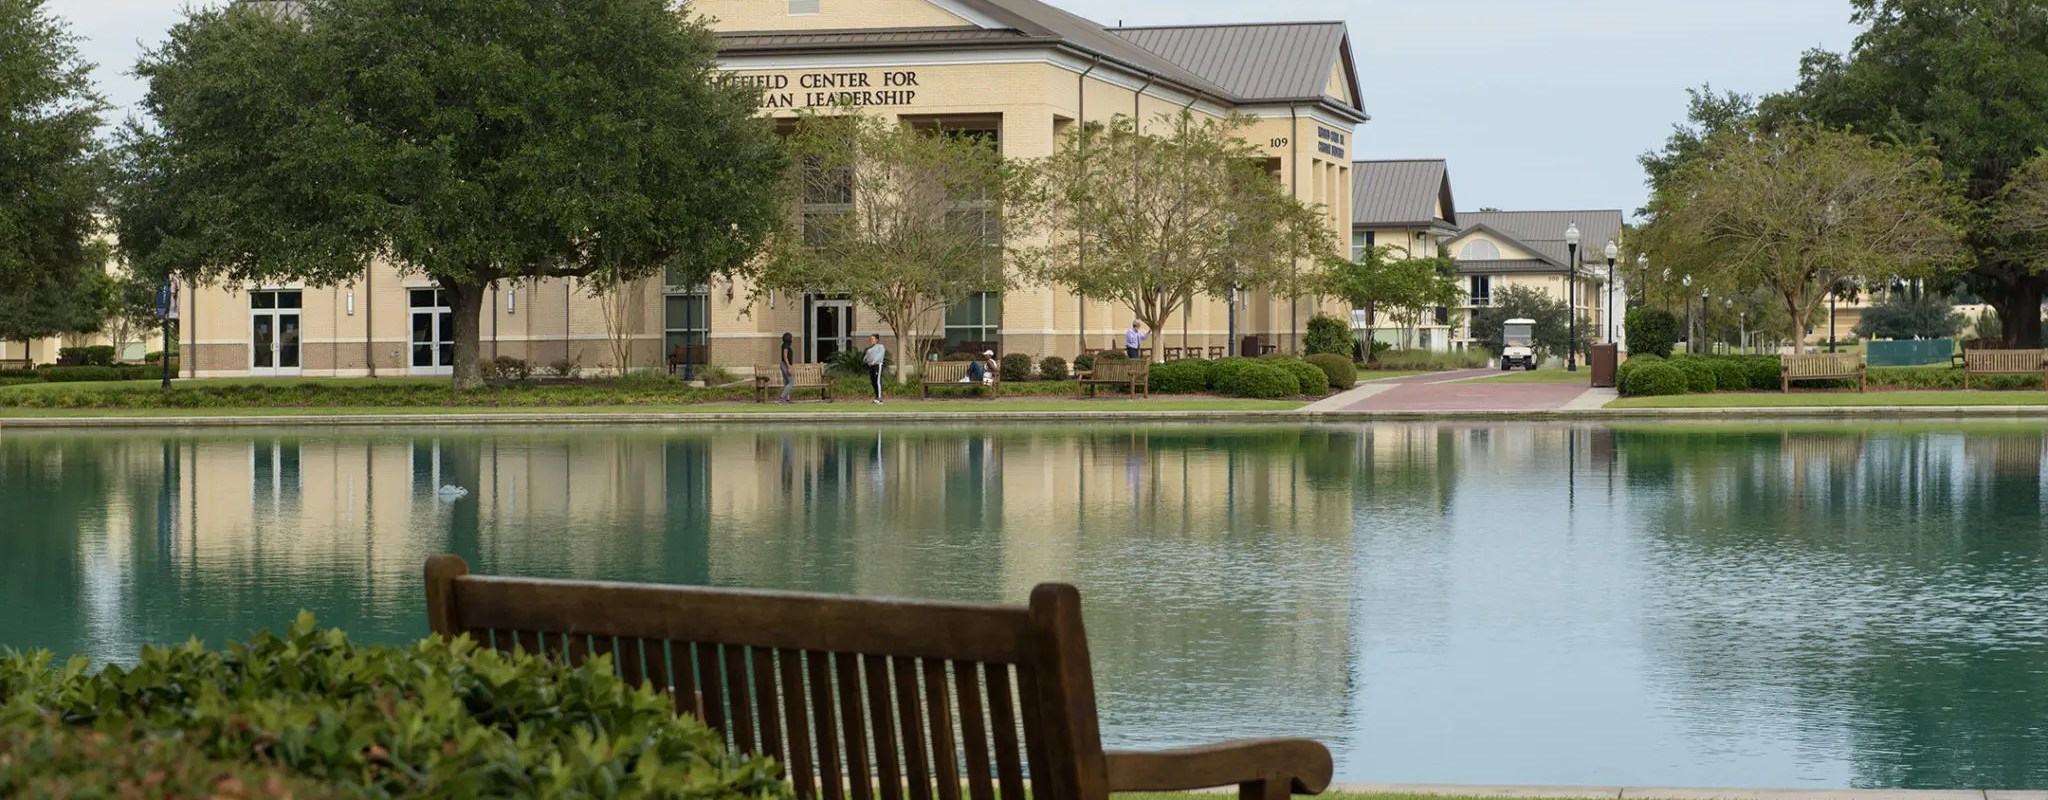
1518	344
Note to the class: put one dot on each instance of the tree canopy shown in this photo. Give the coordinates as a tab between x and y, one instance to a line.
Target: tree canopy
1152	216
904	221
467	141
1968	78
1798	210
1386	280
51	173
1552	316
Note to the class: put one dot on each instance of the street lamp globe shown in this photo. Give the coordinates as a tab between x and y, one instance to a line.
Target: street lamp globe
1571	234
1613	252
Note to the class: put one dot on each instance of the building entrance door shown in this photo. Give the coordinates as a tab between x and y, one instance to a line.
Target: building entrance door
829	328
433	334
274	333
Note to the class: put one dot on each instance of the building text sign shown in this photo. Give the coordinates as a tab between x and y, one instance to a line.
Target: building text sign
827	89
1331	143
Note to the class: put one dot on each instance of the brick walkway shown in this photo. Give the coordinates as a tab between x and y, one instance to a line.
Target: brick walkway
1453	391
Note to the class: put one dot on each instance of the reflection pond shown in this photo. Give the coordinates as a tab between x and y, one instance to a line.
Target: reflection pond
1802	605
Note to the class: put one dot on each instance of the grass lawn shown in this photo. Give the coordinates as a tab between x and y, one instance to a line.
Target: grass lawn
199	382
846	407
2017	397
1583	377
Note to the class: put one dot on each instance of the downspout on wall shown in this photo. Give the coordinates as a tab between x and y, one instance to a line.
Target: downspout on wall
1294	166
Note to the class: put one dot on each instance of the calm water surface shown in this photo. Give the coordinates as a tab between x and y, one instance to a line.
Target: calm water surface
1660	605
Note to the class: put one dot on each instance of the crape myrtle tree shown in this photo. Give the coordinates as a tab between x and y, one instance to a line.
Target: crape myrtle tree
919	228
1798	210
1153	216
466	141
1386	279
51	172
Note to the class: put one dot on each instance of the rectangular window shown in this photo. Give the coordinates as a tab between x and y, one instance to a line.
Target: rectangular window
1481	290
828	197
1443	315
800	8
976	319
1360	240
686	324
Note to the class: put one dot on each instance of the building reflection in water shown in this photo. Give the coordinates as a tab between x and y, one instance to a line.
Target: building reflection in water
1475	603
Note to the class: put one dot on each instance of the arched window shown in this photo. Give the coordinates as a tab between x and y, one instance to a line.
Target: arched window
1479	250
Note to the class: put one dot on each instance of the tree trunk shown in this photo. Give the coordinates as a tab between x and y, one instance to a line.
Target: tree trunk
2020	314
903	347
465	303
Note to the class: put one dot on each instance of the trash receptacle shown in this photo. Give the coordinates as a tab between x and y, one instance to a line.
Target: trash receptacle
1602	360
1248	347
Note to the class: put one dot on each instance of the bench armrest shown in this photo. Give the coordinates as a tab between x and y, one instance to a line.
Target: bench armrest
1261	768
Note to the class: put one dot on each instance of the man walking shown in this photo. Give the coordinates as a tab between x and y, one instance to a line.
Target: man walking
788	362
874	358
1133	339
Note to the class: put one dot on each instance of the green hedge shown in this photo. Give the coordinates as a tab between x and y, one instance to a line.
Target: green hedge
1700	376
1341	372
1427	360
53	760
1651	332
1180	376
1226	369
1260	379
1311	379
1655	378
432	719
1634	362
1946	378
1053	368
1327	334
1015	367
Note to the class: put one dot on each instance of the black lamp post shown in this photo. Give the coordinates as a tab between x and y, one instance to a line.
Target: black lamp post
1686	297
1834	291
1705	333
1612	251
1571	302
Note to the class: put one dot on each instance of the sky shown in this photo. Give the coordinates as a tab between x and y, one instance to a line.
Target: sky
1537	104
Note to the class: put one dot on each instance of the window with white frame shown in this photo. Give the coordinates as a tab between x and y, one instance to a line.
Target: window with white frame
1481	290
1361	241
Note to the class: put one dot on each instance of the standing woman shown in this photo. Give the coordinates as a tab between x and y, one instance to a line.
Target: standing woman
788	378
875	357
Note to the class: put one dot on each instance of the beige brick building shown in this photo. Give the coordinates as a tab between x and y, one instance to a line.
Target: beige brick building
1018	70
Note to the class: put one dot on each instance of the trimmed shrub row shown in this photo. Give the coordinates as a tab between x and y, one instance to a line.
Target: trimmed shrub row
432	719
1342	373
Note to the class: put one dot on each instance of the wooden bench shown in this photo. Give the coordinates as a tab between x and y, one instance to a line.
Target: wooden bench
2005	362
950	375
802	377
1820	367
1133	375
776	673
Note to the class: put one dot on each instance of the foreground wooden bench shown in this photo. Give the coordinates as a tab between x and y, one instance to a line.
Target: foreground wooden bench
2005	362
1820	367
804	377
1133	375
790	676
949	375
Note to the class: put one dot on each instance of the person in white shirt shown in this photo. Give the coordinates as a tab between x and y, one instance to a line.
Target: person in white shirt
875	356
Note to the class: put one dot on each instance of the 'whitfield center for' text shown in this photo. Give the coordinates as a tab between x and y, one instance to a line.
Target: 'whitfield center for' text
826	89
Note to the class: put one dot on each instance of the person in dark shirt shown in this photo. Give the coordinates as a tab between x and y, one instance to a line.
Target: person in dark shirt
788	360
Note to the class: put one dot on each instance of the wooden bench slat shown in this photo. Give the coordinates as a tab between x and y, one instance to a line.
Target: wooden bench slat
768	704
630	665
711	682
1034	734
853	725
1002	705
967	676
796	720
825	722
528	641
882	722
832	623
910	715
654	653
945	748
739	700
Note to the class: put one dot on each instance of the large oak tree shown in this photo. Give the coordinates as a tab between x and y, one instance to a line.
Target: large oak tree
467	141
50	178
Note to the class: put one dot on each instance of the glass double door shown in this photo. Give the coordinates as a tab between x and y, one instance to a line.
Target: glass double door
274	333
829	327
433	333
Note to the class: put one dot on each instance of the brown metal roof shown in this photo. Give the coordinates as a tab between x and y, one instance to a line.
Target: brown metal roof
1507	266
743	41
1271	61
1401	194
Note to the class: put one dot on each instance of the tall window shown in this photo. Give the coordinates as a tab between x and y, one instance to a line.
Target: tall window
978	211
828	195
686	314
1361	241
1481	289
976	319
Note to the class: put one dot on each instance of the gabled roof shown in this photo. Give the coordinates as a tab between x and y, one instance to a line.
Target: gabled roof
1543	231
1401	194
1296	67
1266	63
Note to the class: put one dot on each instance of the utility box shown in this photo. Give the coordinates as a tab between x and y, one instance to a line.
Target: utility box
1603	360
